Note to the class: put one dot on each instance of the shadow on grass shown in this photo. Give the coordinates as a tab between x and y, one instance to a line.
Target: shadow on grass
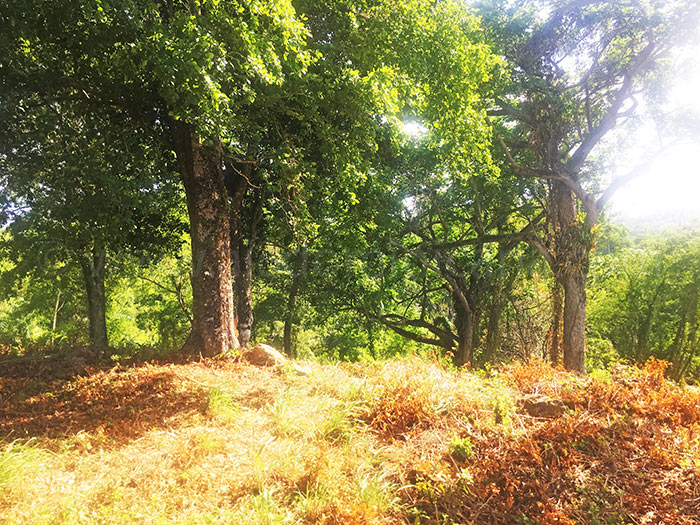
119	403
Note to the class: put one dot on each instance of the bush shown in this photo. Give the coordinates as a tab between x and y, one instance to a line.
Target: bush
462	449
600	354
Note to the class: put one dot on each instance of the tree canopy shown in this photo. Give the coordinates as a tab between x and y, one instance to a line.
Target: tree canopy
432	173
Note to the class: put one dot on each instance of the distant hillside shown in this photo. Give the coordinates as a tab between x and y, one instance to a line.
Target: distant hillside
659	223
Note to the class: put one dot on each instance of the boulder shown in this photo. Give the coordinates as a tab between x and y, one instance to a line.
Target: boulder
263	355
539	405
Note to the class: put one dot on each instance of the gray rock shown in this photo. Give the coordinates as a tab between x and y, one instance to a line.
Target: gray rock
263	355
539	405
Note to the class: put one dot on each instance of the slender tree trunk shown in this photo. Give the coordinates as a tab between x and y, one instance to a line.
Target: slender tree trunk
207	203
243	277
290	314
94	276
57	308
244	219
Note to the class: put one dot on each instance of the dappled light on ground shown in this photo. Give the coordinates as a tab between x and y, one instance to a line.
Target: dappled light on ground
120	404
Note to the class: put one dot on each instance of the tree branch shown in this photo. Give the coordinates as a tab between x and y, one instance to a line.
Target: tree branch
521	235
417	323
607	122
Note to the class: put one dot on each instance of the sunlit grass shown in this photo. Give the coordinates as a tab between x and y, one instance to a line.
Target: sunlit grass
355	443
222	404
18	461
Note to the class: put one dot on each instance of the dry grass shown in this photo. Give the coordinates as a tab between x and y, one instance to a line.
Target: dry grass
397	442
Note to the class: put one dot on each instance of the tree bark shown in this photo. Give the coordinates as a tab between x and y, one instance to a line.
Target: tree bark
493	332
207	203
464	323
290	314
244	219
93	268
571	270
243	277
557	305
575	321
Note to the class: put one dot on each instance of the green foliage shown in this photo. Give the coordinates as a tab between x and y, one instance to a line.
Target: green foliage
644	302
371	241
462	448
600	354
143	304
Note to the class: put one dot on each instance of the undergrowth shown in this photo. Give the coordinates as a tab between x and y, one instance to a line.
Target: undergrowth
396	442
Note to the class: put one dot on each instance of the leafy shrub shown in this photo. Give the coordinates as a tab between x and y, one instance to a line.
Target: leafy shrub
600	354
462	449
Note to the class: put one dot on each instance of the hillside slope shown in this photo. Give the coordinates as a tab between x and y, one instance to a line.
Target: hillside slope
398	442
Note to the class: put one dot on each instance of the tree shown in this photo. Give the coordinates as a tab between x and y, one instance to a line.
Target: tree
190	65
84	185
645	300
433	266
420	201
327	125
577	73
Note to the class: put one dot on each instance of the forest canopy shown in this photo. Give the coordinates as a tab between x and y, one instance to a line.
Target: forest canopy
349	180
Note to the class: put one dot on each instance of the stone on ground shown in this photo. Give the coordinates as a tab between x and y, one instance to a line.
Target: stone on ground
264	355
538	405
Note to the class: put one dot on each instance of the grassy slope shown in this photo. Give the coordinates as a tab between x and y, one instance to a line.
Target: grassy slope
404	441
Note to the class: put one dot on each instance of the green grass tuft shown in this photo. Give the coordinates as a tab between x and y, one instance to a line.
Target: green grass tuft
17	461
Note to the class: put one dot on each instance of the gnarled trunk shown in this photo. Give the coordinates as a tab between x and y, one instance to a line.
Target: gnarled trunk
207	203
93	268
464	323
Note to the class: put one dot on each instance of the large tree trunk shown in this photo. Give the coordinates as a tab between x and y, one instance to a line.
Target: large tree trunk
290	314
570	268
94	275
555	334
207	203
575	321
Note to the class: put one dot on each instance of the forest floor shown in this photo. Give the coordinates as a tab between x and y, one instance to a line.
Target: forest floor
404	441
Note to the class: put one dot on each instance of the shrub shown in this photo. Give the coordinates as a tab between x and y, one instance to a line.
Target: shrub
462	449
